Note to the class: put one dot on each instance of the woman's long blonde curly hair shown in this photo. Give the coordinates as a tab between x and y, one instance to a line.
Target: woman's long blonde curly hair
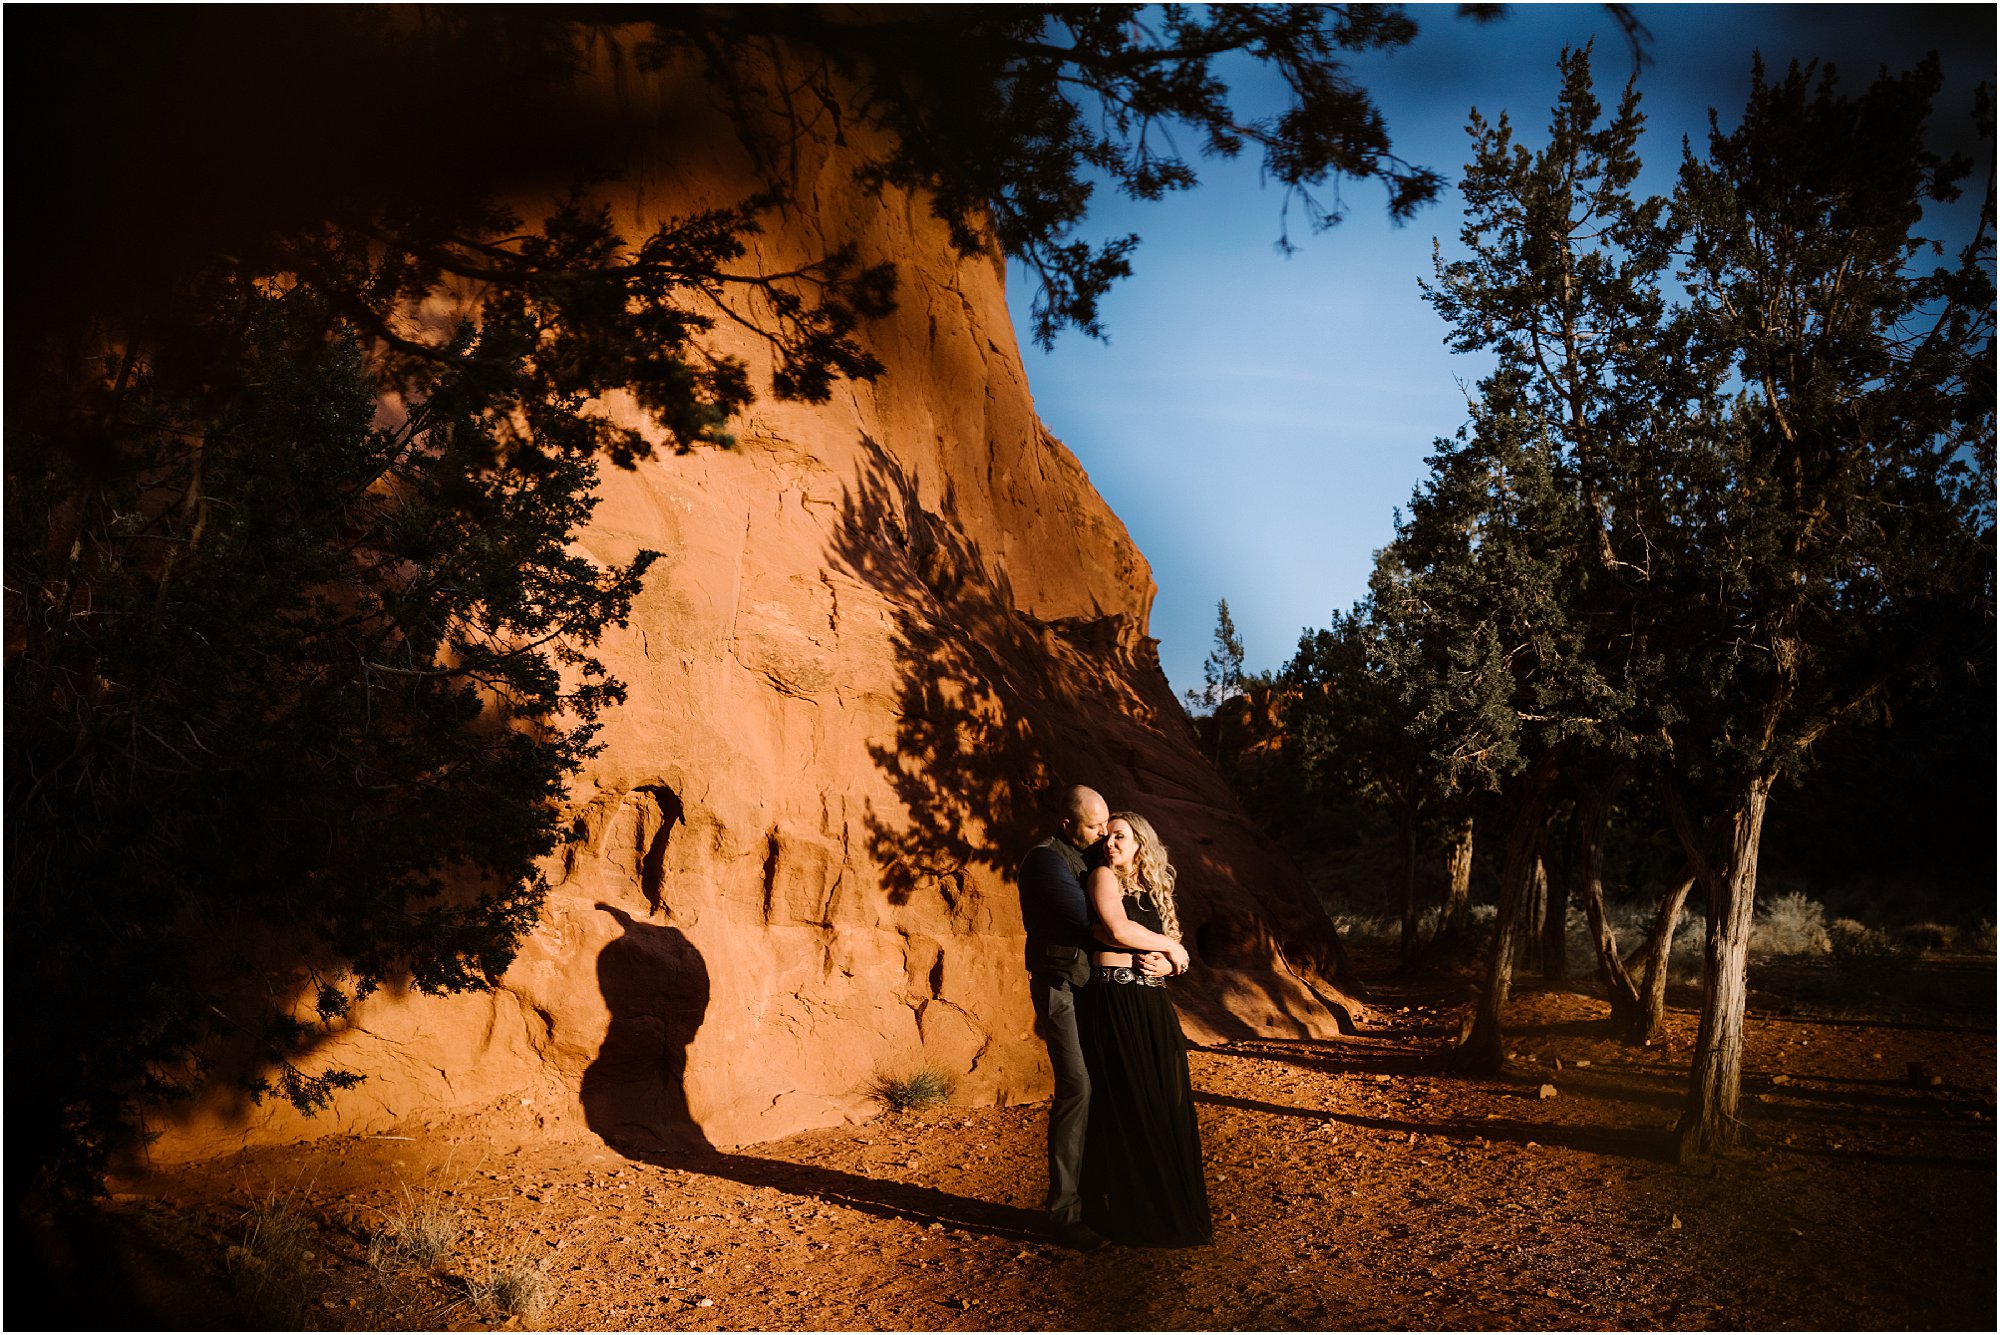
1152	875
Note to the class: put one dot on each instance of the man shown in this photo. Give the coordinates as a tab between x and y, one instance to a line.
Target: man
1056	914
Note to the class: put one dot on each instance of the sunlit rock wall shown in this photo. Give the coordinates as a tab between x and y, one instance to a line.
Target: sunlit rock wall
884	631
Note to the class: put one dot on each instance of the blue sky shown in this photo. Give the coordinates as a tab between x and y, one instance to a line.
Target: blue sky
1255	419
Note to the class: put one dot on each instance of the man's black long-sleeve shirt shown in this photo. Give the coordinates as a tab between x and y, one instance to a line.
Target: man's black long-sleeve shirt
1054	909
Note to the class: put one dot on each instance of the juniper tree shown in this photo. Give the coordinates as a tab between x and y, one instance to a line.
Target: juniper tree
285	676
1562	284
1349	723
1844	527
1764	500
1490	659
1222	670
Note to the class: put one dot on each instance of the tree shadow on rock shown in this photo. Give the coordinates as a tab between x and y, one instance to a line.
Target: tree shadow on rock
989	699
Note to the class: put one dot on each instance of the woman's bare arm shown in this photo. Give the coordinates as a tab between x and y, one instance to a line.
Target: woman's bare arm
1111	925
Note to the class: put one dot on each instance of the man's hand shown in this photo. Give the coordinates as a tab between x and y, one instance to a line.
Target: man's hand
1154	964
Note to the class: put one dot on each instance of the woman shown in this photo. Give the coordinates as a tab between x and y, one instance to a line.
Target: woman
1142	1182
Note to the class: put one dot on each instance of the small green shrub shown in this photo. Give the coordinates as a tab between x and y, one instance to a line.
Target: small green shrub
926	1087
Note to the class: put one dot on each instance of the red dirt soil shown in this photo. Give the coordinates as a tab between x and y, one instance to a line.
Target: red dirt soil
1356	1184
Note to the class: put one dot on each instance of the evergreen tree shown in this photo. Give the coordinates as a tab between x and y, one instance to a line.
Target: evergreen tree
1222	670
290	708
1696	540
1350	725
1490	659
1844	528
1562	284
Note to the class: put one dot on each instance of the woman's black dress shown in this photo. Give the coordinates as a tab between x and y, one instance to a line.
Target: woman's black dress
1142	1182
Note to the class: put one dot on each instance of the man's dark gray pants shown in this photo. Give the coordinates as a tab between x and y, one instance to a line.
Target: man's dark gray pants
1069	1110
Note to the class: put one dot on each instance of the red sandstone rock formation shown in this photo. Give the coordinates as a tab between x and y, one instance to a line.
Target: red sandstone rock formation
886	629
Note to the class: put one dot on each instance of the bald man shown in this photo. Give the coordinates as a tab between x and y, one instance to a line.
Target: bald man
1056	913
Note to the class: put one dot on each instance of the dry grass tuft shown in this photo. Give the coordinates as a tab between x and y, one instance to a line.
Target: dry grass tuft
271	1266
519	1282
420	1233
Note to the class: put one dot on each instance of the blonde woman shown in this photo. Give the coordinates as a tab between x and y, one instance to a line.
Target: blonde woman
1142	1181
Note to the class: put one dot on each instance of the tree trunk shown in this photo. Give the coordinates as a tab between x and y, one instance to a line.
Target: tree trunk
1536	912
1593	823
1715	1081
1411	946
1555	922
1479	1049
1649	1026
1458	892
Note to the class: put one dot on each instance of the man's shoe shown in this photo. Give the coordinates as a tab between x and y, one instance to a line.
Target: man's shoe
1079	1236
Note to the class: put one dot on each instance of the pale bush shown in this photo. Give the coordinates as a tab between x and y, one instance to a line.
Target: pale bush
1374	929
1921	936
1857	944
1632	925
1790	925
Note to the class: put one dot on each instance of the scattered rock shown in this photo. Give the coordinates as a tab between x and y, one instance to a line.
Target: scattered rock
1546	1092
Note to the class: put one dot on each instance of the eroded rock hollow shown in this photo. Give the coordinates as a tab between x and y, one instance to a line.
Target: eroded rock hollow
887	629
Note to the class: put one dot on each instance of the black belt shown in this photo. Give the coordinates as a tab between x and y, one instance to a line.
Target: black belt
1113	973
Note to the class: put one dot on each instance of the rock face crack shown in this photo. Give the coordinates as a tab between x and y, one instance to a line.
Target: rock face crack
771	850
660	811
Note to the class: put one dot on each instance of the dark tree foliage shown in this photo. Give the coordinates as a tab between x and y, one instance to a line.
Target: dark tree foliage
1562	283
283	676
1007	116
1850	548
297	654
298	659
1222	671
1699	537
1348	725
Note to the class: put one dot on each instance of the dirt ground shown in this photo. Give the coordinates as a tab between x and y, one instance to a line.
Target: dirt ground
1356	1184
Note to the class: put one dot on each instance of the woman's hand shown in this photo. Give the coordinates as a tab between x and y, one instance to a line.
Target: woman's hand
1179	957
